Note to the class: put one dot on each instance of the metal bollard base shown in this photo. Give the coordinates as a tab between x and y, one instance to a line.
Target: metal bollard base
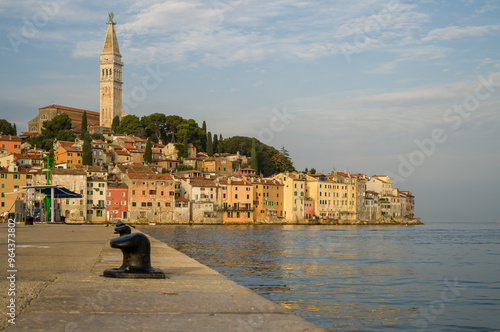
118	273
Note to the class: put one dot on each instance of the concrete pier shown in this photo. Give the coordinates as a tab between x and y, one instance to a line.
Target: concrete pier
59	287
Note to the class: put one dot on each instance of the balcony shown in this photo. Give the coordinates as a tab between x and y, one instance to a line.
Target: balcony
98	206
235	208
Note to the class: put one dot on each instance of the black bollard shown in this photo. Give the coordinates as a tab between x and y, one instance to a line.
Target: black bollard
122	228
136	250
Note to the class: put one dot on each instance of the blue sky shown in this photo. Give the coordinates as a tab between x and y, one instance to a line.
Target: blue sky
406	88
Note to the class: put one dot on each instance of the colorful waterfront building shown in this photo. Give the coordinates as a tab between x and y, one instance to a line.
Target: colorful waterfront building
117	201
151	197
294	187
237	201
268	199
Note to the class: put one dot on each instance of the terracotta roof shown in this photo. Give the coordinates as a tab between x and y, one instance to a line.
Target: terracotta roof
122	152
69	171
160	177
182	199
9	138
77	118
70	109
201	183
98	141
237	183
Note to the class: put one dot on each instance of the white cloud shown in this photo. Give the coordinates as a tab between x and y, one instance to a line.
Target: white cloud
454	91
455	32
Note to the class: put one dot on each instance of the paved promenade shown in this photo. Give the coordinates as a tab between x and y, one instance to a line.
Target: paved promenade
59	287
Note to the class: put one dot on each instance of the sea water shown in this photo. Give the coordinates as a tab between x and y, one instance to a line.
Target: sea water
433	277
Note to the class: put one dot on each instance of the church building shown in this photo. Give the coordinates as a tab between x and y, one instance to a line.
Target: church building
110	92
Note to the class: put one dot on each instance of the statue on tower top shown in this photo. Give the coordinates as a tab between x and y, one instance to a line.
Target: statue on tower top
110	16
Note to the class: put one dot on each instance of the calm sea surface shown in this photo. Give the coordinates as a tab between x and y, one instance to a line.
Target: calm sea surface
435	277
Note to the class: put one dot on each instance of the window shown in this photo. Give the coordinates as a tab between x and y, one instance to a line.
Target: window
143	204
134	204
108	194
123	194
124	202
248	196
236	196
167	204
3	185
108	202
150	203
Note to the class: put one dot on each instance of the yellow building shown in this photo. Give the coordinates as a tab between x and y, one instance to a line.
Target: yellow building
268	199
294	187
11	182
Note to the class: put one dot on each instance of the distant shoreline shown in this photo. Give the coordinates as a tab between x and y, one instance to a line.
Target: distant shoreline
390	221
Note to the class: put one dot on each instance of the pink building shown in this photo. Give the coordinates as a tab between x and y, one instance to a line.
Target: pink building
309	210
117	202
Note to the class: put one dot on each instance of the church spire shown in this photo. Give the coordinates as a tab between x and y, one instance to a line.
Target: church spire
111	42
110	77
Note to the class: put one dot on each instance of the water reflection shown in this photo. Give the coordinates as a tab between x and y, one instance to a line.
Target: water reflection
337	277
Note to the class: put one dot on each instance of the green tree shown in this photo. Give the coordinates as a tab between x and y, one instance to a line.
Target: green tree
215	143
244	145
185	145
87	150
193	131
204	137
59	127
210	150
14	130
115	124
282	161
313	170
148	154
253	157
6	128
220	145
129	124
173	122
84	125
155	124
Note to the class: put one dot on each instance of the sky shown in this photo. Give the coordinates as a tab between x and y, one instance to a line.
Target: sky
405	88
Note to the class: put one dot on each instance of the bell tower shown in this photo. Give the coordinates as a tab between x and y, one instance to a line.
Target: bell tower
110	100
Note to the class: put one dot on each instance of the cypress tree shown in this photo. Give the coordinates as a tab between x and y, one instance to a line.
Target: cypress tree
215	143
115	124
253	155
15	130
220	145
203	138
185	143
148	154
84	126
86	150
210	149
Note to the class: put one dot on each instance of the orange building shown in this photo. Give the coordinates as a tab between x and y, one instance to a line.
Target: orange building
268	199
237	201
68	153
151	197
11	143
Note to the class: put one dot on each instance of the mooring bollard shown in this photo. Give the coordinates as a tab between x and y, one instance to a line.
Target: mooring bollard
136	250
